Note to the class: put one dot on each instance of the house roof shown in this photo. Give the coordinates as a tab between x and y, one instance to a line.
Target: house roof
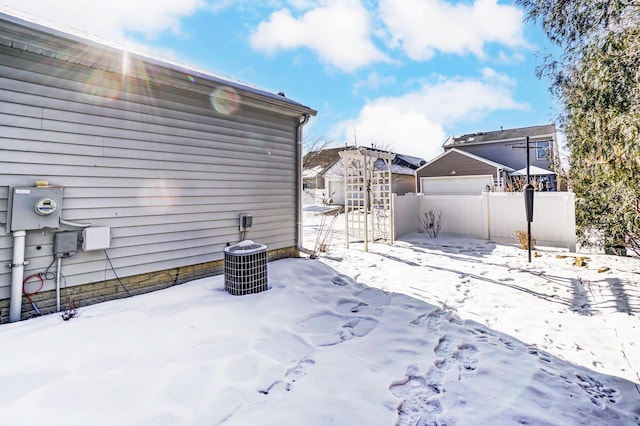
312	172
27	33
323	157
401	164
396	169
472	156
409	161
503	135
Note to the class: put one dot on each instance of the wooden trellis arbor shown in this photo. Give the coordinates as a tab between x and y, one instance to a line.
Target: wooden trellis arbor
367	196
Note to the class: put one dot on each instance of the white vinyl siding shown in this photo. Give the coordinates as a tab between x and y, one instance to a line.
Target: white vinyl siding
160	166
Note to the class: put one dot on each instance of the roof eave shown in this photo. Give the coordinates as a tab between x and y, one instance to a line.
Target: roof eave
25	35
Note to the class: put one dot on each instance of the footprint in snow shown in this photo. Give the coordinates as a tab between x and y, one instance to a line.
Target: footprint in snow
420	405
404	388
328	329
599	393
541	355
351	306
418	410
418	320
292	376
299	371
341	280
484	336
507	343
374	297
436	318
275	387
443	348
466	356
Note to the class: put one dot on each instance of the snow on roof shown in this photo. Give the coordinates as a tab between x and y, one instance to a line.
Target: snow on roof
536	132
312	172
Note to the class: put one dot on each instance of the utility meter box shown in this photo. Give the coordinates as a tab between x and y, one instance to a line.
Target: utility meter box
34	208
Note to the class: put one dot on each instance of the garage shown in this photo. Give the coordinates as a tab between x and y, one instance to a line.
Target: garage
455	185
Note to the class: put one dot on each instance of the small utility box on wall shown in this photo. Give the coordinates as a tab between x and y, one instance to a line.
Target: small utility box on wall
246	220
34	208
96	238
65	244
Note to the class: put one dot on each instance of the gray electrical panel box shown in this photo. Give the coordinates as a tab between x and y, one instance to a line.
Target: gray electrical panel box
34	208
65	244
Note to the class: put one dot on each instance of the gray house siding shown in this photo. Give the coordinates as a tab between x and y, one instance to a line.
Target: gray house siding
505	153
455	164
157	163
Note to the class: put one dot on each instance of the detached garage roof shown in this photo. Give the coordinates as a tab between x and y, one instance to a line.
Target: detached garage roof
475	158
27	34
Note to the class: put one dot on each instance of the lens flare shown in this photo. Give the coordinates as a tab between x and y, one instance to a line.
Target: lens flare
225	100
103	85
191	79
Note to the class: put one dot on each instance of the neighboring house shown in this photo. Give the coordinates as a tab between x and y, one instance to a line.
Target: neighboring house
490	161
164	157
324	172
315	163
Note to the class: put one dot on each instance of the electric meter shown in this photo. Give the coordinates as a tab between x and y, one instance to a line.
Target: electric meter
34	208
46	206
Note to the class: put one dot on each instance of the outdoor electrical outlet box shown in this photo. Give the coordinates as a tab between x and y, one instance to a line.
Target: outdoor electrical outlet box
246	220
65	244
96	238
34	208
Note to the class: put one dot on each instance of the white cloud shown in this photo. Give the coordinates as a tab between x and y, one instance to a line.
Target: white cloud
405	131
414	123
374	81
113	19
424	27
338	32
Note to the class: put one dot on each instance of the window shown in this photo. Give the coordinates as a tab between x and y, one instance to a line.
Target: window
542	151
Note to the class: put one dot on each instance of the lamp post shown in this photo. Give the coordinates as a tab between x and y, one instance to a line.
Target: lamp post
528	203
528	192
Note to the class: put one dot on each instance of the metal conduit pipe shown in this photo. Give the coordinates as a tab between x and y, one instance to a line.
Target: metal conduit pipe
17	276
58	275
299	225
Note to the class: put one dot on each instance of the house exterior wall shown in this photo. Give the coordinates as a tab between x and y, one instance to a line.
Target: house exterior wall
510	154
455	162
333	187
161	166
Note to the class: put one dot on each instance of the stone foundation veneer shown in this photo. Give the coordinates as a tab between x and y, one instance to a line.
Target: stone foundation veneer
101	291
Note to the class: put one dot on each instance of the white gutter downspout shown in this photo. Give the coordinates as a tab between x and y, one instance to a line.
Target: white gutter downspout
299	226
17	276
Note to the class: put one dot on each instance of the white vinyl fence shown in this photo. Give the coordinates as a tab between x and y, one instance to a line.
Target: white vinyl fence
493	215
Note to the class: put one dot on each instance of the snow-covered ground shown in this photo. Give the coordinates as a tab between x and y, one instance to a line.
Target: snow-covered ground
444	331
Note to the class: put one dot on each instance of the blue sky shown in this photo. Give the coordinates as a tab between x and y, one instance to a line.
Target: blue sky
400	74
